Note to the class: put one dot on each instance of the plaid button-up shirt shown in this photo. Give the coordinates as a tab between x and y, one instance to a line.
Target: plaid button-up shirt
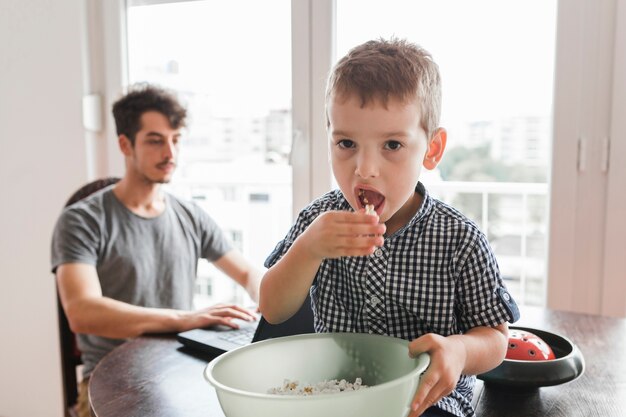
437	274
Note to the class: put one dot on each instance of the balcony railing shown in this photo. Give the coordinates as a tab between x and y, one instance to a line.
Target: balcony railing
522	211
512	215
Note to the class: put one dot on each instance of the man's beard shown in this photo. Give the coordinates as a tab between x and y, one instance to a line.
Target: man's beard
151	181
168	178
160	180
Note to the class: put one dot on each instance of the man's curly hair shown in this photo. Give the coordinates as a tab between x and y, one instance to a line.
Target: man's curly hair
141	98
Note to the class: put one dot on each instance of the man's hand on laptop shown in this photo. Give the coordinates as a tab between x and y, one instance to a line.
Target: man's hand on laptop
224	314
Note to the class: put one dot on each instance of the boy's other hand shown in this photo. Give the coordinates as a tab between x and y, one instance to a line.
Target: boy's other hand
334	234
447	361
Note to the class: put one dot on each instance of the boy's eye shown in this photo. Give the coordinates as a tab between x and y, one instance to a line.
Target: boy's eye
393	145
345	143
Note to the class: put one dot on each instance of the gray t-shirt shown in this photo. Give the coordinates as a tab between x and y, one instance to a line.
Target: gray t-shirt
148	262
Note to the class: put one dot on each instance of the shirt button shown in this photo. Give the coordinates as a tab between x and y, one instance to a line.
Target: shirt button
378	252
506	296
370	331
374	301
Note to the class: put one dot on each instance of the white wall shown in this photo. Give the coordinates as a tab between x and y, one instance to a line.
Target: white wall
42	160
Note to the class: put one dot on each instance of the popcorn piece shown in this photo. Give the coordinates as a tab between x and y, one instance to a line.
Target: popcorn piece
364	199
369	209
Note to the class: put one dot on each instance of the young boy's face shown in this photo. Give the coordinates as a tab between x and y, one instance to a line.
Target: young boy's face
377	154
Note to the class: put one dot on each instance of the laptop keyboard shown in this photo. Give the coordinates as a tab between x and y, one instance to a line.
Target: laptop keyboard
239	336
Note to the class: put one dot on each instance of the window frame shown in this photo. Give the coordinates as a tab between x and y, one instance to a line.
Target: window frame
313	25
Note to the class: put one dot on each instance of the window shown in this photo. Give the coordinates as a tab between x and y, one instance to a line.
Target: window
496	107
584	129
497	74
235	153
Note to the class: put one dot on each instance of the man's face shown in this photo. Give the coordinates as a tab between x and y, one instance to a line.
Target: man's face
153	158
377	155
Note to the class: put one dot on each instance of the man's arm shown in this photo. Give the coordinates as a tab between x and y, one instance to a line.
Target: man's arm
89	312
234	265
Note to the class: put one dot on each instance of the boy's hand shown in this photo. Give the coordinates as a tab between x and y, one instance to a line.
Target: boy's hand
342	233
447	361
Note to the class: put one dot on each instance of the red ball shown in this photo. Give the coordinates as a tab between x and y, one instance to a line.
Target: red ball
527	346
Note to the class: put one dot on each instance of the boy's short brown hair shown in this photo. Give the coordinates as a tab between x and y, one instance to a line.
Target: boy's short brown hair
390	69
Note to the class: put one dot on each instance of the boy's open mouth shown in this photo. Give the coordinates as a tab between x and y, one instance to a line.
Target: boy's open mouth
369	197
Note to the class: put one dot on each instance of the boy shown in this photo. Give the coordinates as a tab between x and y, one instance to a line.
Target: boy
416	269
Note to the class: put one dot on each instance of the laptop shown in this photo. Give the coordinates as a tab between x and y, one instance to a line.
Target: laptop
219	339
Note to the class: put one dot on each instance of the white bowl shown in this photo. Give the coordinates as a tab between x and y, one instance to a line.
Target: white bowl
242	377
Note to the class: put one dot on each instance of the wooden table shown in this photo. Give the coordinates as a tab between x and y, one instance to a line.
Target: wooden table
155	376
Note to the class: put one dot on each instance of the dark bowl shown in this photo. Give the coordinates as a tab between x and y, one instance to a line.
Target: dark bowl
568	365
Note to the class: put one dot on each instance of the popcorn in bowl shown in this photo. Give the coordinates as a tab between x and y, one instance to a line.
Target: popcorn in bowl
332	386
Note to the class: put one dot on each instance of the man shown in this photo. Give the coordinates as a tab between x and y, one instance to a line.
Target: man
126	256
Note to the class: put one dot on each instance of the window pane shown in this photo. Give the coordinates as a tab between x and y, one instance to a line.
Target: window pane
233	70
497	62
